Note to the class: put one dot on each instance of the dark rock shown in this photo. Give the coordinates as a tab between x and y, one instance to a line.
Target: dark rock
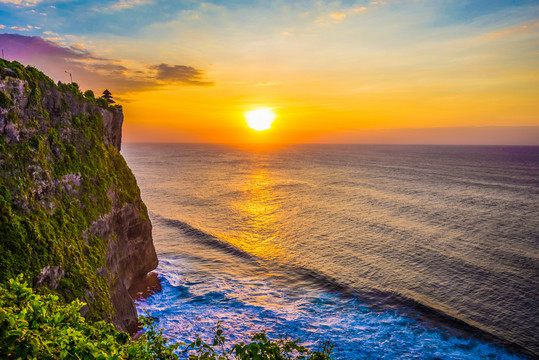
130	256
50	276
147	287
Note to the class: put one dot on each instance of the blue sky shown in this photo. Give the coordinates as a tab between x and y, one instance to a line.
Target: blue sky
129	17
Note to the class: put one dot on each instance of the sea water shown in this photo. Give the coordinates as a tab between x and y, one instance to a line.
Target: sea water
388	252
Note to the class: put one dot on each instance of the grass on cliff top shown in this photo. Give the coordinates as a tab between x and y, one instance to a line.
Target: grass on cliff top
37	79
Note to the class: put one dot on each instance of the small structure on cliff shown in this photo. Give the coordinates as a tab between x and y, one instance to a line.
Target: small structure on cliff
107	95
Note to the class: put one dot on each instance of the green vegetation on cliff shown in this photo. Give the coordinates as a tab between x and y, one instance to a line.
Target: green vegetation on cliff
37	80
57	176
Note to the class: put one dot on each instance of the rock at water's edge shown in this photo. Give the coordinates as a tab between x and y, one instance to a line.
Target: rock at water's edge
130	256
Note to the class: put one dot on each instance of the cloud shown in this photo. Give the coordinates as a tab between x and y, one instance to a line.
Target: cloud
530	28
35	12
180	74
2	26
21	2
338	16
126	4
190	15
17	28
78	46
358	9
93	71
35	46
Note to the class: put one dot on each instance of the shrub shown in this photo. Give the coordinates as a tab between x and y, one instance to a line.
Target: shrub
42	326
102	102
260	348
72	88
89	94
5	101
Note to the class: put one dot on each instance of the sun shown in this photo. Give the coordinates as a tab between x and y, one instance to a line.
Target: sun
260	119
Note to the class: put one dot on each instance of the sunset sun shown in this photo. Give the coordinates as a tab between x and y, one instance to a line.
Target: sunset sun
260	119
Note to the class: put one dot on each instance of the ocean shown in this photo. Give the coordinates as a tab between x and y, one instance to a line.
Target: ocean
388	252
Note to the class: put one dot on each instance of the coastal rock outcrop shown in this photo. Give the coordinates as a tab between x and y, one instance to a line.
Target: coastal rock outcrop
71	216
129	255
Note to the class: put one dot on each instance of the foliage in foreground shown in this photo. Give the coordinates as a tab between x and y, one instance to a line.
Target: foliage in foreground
34	326
261	348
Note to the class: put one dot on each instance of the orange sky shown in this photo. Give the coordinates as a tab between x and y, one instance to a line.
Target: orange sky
349	71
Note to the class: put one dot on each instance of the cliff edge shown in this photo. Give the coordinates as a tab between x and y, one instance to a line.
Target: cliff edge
71	216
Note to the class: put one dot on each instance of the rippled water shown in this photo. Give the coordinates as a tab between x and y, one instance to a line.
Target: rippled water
390	252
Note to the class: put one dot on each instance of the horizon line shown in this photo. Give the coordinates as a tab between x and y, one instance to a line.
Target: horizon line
318	143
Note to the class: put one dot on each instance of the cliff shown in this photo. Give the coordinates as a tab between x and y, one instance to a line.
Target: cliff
71	216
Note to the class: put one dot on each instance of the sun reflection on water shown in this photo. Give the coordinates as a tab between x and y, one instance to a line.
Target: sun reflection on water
258	209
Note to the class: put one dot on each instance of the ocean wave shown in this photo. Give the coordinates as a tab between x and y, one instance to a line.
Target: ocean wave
377	300
206	238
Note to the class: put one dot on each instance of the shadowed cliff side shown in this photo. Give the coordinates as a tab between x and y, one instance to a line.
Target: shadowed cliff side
71	216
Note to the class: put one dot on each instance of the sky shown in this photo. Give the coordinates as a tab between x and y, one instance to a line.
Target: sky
393	71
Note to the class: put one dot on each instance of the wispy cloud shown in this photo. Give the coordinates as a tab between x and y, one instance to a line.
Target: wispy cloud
18	28
358	9
21	2
95	70
126	4
33	11
180	74
528	28
338	16
190	15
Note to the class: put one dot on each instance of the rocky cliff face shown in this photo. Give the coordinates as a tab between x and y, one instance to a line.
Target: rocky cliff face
130	255
71	216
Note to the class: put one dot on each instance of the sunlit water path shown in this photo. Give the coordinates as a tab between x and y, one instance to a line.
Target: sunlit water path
374	248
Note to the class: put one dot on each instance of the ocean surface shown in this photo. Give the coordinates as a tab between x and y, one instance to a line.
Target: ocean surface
388	252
